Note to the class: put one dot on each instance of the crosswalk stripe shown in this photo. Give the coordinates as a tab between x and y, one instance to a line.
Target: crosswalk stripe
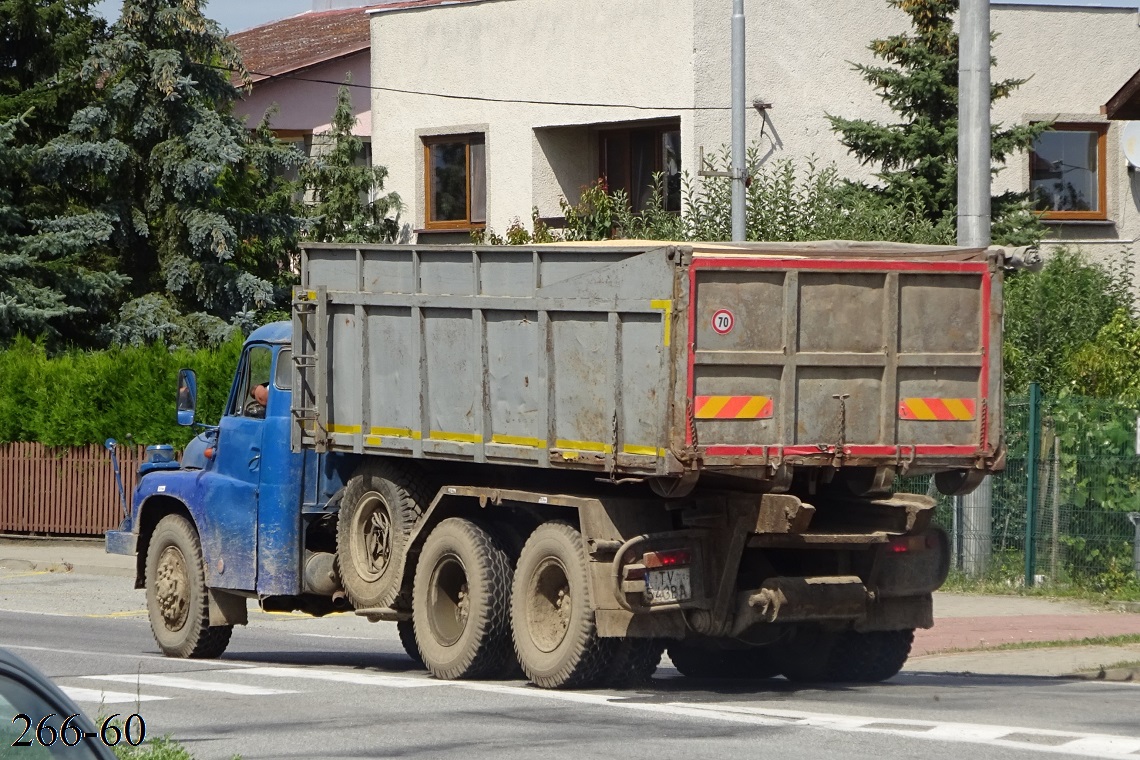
338	676
175	682
79	694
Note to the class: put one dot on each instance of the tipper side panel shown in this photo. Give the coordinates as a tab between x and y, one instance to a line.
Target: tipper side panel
545	357
840	361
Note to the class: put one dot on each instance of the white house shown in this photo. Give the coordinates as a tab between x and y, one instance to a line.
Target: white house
491	107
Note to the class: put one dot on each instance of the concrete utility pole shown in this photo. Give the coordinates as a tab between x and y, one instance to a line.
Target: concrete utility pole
974	221
738	134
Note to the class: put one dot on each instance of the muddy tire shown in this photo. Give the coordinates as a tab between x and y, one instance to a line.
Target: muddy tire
176	599
552	615
698	662
848	657
380	506
634	663
407	633
870	657
461	602
806	658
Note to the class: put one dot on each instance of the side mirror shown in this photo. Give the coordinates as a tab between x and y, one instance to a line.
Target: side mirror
187	396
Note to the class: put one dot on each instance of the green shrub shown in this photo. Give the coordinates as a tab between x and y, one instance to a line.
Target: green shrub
80	398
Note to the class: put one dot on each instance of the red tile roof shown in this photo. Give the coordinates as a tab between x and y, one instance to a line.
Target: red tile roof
303	40
408	4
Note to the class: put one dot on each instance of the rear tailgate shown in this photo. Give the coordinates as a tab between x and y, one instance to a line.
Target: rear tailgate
843	360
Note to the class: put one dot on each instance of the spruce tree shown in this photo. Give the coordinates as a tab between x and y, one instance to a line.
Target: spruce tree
55	282
161	157
349	205
917	156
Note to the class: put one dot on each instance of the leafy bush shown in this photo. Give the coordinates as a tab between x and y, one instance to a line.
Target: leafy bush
1055	315
81	398
783	202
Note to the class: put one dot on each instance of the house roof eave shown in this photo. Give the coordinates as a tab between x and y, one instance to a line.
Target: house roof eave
1125	104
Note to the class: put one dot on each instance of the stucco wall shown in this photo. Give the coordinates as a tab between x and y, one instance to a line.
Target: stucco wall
676	53
1075	60
581	52
308	106
799	57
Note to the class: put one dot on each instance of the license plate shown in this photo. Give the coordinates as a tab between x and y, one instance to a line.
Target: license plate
663	586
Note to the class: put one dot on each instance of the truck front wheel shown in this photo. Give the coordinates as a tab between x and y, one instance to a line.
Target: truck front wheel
380	505
460	602
176	599
552	617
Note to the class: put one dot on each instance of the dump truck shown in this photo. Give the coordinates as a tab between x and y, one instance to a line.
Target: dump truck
565	459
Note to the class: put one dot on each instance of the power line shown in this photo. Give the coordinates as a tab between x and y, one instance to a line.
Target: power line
479	98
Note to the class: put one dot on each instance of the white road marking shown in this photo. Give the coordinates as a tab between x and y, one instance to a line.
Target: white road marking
176	682
79	694
1012	737
341	676
1081	744
220	664
1117	745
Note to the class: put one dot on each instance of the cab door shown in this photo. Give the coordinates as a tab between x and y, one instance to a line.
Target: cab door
231	487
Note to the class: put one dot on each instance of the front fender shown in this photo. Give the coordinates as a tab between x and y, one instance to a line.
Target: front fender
157	495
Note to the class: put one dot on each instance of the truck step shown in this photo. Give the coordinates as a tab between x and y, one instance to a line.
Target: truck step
376	614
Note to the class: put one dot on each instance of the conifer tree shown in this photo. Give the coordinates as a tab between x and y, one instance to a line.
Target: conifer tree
55	283
349	203
917	156
161	157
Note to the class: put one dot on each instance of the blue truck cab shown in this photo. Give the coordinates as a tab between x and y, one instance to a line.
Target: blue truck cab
226	523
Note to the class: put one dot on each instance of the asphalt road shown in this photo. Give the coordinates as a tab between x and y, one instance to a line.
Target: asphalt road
294	687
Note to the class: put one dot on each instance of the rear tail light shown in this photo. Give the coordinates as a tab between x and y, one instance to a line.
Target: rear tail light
904	544
670	558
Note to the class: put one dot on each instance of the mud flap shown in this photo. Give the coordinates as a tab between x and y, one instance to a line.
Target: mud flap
227	608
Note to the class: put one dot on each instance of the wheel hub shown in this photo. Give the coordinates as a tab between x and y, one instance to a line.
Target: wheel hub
449	602
172	588
373	538
549	606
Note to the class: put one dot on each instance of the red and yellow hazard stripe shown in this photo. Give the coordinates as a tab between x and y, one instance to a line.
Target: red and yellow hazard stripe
938	409
732	407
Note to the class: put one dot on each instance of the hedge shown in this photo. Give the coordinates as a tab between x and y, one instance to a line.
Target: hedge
80	398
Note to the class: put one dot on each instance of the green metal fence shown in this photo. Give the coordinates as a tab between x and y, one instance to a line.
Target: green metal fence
1059	514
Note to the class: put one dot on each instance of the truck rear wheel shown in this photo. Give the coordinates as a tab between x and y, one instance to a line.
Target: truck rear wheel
176	599
381	503
461	602
552	616
634	662
407	632
870	657
699	662
847	657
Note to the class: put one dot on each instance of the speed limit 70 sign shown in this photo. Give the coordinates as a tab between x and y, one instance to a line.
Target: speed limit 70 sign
723	321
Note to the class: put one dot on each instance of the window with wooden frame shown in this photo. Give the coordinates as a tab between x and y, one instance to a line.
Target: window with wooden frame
455	182
1067	168
630	158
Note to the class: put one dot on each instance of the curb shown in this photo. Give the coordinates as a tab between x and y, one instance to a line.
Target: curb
1108	674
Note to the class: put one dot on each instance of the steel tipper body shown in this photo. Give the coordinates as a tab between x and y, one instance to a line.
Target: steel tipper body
564	457
658	361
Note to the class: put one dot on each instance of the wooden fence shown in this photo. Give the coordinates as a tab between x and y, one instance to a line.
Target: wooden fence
63	491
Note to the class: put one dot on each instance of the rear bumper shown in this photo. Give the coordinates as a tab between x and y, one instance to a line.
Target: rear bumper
122	542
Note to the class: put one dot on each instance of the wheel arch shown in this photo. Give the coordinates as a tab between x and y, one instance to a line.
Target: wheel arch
150	513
